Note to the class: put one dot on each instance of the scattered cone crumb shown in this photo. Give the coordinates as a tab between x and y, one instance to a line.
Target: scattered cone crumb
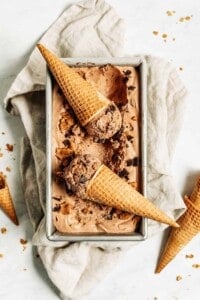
4	230
155	32
196	266
189	255
164	35
23	242
9	147
1	255
178	278
134	185
170	13
8	169
185	19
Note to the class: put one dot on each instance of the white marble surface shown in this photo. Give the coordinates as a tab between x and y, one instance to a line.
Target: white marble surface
21	272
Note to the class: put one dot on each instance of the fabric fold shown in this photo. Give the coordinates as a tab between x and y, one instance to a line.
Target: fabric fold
93	29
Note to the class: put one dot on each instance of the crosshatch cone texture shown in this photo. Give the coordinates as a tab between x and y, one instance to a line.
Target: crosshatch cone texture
195	196
109	189
82	97
178	238
6	203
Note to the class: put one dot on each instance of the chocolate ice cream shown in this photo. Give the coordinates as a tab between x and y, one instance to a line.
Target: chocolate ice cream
79	172
106	124
121	153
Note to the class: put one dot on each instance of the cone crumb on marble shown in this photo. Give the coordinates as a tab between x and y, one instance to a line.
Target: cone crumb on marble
6	203
189	227
107	188
81	95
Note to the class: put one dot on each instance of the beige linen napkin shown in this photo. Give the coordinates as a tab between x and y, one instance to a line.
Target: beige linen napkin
92	28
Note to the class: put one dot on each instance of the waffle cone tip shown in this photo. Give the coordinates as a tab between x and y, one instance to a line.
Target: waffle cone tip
165	219
158	269
10	211
175	224
179	238
166	257
6	202
44	52
40	47
14	220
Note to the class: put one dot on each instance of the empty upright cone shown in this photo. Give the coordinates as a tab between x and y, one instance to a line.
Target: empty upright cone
86	102
6	203
107	188
189	227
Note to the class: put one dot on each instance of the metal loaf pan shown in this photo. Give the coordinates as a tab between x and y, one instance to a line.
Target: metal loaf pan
51	232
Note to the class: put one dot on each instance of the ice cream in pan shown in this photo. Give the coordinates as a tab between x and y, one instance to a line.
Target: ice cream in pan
70	211
121	153
96	113
90	179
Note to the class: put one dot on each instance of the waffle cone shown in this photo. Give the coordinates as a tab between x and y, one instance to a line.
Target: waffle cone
86	102
195	196
107	188
179	237
6	203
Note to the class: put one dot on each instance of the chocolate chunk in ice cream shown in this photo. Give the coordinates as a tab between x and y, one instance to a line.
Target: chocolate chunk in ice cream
131	88
133	162
79	172
56	207
124	173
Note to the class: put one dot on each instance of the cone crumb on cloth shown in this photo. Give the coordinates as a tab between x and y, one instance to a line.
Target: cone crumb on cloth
6	203
189	227
96	113
90	179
